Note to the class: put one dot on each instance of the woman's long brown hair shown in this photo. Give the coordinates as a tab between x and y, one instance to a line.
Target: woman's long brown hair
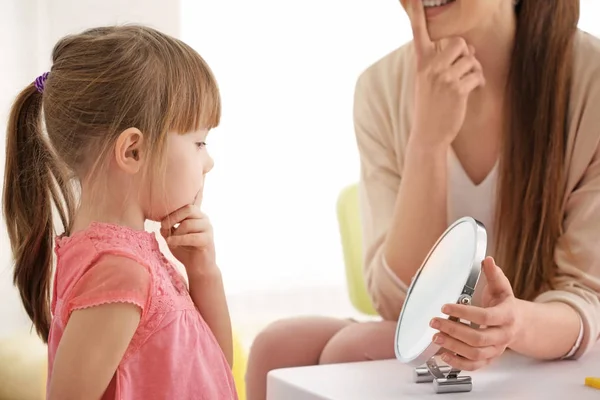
102	82
529	213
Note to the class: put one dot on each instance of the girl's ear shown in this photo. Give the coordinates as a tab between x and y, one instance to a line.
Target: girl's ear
128	150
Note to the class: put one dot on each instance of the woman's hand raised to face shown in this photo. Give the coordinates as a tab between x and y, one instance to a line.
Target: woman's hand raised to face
447	72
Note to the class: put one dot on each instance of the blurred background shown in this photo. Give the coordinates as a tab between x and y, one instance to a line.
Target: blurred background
283	152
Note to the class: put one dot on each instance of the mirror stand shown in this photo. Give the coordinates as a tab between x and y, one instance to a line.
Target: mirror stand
444	378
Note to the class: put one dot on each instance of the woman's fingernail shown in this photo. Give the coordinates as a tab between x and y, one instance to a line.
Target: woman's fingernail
445	309
434	323
445	357
438	339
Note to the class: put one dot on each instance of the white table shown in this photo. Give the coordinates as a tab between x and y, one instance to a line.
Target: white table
511	377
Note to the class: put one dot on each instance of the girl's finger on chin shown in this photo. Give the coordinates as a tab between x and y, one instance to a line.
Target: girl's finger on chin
165	232
179	215
191	226
192	240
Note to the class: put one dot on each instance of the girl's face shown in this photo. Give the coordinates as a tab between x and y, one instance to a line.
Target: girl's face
187	163
457	17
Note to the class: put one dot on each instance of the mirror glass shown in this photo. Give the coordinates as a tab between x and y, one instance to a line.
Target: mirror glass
440	281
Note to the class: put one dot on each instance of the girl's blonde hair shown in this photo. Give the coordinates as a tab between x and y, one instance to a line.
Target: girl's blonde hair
102	82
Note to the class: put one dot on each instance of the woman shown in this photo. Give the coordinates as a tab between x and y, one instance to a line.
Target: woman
492	111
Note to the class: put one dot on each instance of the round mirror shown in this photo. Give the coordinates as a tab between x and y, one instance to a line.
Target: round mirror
449	274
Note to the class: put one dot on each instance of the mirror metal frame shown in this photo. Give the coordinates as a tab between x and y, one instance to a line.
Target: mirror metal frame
444	378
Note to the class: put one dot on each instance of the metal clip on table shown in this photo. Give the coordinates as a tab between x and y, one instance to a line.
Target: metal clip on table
445	379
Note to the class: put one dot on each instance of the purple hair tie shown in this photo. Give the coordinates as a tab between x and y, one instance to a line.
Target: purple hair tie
40	82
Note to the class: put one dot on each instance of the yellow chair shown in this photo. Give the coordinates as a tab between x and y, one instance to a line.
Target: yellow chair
22	366
348	215
239	367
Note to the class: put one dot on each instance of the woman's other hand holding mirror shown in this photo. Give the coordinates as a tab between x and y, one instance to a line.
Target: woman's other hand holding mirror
498	319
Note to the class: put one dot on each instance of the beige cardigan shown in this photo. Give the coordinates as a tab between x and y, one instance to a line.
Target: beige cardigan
382	119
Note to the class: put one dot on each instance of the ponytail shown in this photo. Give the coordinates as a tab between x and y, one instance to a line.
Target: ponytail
34	180
532	179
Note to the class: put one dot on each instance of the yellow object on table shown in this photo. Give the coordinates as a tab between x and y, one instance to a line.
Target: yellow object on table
592	382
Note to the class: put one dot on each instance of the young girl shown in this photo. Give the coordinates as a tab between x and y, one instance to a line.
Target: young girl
491	111
112	136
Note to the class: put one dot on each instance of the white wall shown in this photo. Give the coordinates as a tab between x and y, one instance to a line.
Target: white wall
28	31
285	147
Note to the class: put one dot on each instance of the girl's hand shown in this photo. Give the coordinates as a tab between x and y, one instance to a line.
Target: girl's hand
191	241
498	318
447	72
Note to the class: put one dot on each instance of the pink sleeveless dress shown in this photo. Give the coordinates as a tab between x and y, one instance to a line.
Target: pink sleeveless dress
173	353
